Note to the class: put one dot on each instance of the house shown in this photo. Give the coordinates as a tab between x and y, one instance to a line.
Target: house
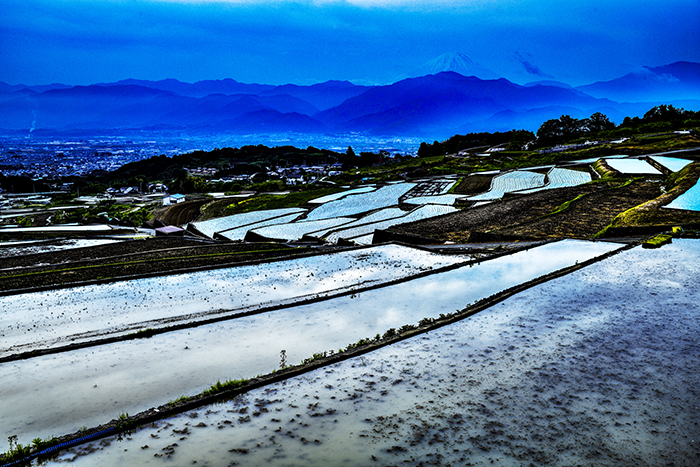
170	231
157	188
173	199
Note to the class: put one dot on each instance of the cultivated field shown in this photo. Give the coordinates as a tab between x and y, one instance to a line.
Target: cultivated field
513	332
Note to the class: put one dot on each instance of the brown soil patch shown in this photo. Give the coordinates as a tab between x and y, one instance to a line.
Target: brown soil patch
531	216
588	215
474	184
183	213
216	208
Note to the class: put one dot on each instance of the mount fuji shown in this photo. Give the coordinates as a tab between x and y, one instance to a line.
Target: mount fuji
457	62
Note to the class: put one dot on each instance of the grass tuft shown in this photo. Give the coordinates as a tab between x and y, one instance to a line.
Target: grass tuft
228	385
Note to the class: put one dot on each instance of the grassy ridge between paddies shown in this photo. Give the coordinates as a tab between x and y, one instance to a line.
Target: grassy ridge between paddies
650	213
271	201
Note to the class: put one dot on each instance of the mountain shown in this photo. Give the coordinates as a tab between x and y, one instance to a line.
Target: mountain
435	105
9	88
439	104
198	89
548	82
456	62
680	80
321	95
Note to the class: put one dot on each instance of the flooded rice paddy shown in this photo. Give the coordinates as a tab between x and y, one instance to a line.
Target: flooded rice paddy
239	233
296	230
210	227
361	229
690	200
671	163
55	317
22	248
598	367
632	166
384	197
342	194
560	178
510	181
60	393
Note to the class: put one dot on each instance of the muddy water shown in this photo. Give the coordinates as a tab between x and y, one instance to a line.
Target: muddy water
596	368
91	386
45	319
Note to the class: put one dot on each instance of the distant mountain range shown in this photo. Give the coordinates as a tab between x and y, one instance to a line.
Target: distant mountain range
435	105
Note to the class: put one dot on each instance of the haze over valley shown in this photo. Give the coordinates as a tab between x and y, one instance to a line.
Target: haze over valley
437	105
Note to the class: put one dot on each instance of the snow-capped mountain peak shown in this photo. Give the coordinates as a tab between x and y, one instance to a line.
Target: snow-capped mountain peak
457	62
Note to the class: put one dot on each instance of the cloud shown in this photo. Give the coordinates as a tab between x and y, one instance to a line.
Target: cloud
276	41
530	67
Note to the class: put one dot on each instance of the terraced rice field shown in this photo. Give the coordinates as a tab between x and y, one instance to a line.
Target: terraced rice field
296	230
361	230
632	166
342	194
516	180
41	246
560	178
239	233
210	227
598	367
671	163
52	318
384	197
690	200
333	212
447	200
97	383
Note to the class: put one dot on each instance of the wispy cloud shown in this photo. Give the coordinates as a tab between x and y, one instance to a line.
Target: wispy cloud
275	41
530	67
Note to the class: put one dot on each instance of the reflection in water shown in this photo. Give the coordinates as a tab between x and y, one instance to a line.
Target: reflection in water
690	200
595	368
97	384
632	166
32	319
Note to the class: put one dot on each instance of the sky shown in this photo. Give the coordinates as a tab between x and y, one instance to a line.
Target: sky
81	42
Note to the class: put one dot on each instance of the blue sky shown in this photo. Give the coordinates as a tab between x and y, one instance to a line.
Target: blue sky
364	41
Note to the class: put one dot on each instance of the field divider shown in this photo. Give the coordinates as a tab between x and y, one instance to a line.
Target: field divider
364	346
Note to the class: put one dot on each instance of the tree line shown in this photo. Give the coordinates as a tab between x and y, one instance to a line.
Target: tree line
661	118
567	129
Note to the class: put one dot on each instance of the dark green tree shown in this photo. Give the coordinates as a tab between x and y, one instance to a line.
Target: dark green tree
664	113
560	130
599	122
549	133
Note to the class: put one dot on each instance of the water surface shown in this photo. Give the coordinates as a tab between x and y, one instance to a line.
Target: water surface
58	394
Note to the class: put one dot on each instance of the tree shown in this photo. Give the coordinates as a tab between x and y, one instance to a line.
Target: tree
429	150
549	132
663	113
350	152
560	130
599	122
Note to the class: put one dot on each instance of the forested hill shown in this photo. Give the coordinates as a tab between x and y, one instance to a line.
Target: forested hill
228	161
